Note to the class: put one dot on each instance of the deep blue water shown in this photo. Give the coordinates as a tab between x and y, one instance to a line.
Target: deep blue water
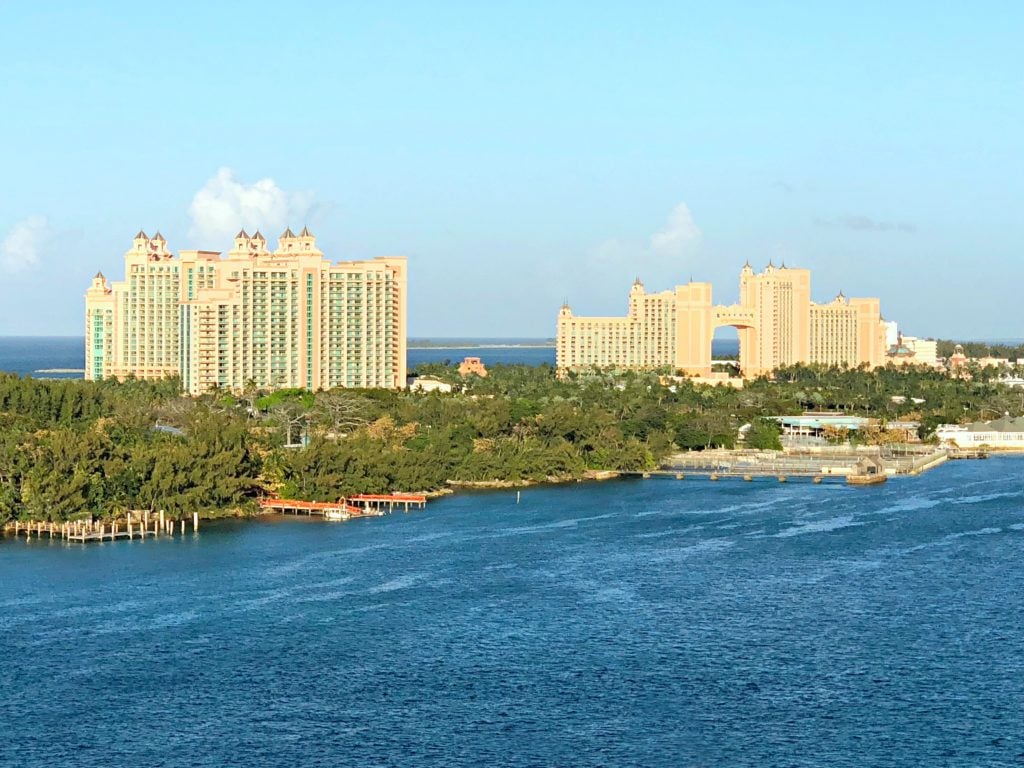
647	623
30	355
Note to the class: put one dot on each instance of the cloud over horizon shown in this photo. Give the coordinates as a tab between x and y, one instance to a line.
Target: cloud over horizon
225	205
661	255
663	258
865	224
23	244
680	234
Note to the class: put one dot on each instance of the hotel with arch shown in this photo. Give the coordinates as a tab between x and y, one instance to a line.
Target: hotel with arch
776	321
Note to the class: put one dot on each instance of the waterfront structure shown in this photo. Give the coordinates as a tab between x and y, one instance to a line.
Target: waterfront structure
777	324
1005	433
286	317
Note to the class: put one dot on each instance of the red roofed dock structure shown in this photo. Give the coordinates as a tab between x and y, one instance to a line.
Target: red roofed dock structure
359	505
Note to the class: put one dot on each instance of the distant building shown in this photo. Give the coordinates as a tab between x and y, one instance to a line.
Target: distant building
910	350
892	332
995	362
429	384
777	323
1005	433
925	350
958	359
818	425
472	365
286	317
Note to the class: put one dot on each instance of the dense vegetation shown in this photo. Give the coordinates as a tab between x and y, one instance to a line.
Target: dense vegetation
75	448
1006	350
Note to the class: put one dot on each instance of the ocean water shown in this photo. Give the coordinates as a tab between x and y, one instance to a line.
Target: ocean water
38	356
632	623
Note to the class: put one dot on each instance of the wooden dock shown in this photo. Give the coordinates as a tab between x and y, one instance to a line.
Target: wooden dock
139	525
358	505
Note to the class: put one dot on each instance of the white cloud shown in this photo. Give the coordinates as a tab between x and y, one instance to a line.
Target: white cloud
680	234
23	244
665	258
225	205
662	256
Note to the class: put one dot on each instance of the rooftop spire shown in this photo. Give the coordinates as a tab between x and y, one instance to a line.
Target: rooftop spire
287	233
142	236
305	232
158	237
242	234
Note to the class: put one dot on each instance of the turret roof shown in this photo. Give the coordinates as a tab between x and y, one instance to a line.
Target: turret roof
158	237
288	233
99	276
258	236
305	232
141	236
243	234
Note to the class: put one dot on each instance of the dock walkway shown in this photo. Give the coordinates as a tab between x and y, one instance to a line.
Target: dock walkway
139	525
358	505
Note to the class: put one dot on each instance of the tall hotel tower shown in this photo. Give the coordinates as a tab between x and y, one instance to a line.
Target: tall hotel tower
777	322
281	318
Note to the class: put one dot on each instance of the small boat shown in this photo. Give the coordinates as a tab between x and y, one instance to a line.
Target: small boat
336	514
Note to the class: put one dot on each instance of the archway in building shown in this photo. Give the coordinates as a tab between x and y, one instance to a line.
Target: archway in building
725	350
734	335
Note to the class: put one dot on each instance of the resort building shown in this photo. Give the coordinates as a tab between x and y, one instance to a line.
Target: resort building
286	317
777	324
472	366
1005	433
908	350
926	351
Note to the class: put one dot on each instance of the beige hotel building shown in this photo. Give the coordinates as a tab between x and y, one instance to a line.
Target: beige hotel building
777	323
286	317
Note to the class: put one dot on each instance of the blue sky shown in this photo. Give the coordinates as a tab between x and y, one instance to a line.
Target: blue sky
522	154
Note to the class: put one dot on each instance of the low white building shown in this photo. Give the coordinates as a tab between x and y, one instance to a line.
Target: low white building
429	384
1005	433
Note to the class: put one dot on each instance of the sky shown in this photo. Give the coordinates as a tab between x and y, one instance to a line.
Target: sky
525	154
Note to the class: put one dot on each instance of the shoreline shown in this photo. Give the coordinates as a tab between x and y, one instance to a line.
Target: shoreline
487	486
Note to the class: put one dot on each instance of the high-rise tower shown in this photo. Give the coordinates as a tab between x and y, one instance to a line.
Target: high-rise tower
281	318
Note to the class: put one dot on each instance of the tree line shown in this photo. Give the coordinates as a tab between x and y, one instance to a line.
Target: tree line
71	448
